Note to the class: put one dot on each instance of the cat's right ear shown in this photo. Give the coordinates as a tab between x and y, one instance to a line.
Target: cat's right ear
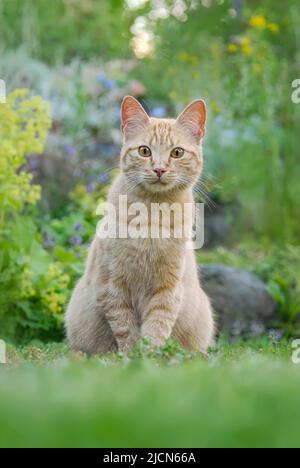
193	119
133	117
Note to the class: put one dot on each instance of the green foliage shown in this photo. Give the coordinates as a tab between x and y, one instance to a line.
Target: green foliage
67	237
242	61
243	65
32	287
56	31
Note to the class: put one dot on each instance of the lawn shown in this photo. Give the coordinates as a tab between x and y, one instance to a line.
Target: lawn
244	394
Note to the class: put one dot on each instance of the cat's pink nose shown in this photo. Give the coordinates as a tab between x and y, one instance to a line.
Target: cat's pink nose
159	171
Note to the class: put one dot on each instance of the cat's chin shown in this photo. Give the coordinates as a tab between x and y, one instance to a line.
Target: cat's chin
159	186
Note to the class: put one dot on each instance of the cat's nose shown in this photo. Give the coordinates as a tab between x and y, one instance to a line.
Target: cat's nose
159	171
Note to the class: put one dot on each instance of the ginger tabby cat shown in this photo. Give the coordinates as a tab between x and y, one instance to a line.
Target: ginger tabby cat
146	287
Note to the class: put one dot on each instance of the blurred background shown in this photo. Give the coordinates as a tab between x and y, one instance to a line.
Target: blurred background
67	65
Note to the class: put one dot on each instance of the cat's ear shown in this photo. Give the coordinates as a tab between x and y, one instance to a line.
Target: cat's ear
193	119
133	116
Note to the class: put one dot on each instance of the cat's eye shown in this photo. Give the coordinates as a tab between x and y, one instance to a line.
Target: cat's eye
177	153
144	151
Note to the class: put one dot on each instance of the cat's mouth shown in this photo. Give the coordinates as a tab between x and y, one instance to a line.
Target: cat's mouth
159	184
159	181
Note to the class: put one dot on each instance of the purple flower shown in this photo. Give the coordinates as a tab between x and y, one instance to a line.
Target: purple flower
276	335
91	187
110	84
106	82
78	226
256	329
101	76
76	240
77	173
103	178
70	150
48	241
34	163
238	327
159	112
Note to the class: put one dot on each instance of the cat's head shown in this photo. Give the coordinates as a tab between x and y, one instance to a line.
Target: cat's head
162	154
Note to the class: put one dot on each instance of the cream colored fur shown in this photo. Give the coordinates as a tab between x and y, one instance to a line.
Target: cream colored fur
145	287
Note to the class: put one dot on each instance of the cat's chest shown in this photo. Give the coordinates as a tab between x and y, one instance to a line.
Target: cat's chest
148	260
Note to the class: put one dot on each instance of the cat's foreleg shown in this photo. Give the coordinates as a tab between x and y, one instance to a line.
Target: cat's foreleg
160	315
120	316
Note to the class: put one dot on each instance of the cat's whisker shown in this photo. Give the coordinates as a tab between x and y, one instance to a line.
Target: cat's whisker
133	183
200	190
184	181
207	200
110	169
204	184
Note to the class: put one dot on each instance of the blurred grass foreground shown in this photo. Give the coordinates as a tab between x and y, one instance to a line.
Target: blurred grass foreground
242	398
66	65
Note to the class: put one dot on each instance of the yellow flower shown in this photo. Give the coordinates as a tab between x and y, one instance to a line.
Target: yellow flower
173	95
247	49
216	50
258	22
246	46
53	301
54	296
193	59
24	122
245	41
78	192
215	107
232	48
54	270
196	75
273	27
186	57
27	289
183	56
257	69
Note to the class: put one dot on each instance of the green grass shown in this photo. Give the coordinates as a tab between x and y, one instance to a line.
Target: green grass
242	395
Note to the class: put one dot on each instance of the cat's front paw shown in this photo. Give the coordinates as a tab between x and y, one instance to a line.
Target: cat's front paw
155	340
127	346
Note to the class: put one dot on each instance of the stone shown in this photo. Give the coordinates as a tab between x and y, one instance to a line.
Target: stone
237	296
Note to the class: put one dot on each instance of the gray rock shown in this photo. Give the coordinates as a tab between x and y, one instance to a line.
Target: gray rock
237	296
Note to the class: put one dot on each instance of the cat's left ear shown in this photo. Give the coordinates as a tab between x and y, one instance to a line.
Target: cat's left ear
193	119
134	118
